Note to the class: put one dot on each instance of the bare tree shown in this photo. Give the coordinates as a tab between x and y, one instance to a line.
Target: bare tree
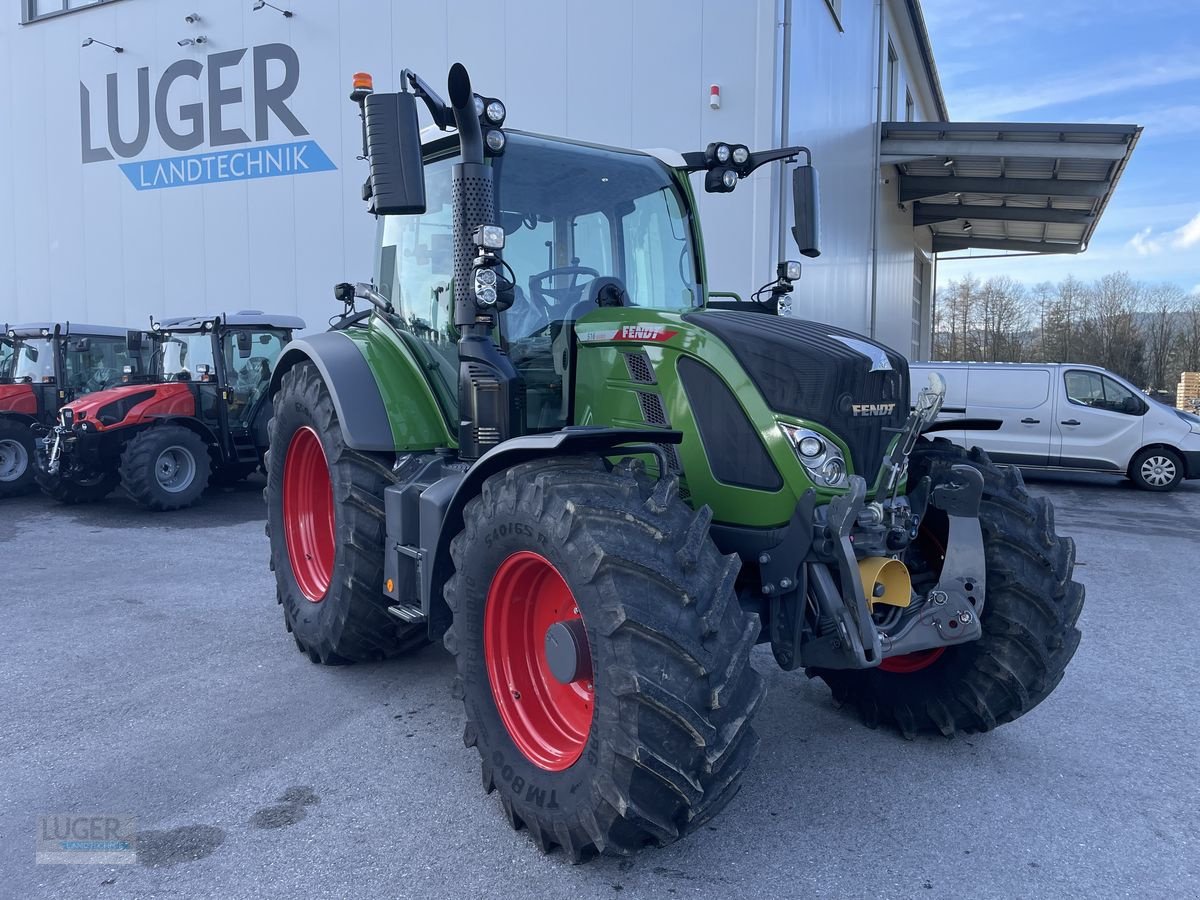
1163	305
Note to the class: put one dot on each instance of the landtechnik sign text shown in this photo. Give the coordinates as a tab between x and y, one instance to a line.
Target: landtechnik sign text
189	126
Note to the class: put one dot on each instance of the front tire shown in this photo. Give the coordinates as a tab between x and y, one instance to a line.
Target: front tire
325	519
1028	620
71	492
650	738
165	468
1157	469
16	458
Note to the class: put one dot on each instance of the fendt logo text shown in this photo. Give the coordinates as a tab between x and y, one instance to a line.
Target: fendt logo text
188	126
873	409
645	333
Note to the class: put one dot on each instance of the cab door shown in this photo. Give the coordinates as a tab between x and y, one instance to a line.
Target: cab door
1097	423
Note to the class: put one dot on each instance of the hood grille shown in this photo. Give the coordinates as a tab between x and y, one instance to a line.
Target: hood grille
802	369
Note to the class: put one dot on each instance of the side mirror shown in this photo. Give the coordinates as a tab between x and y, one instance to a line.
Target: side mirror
806	205
133	341
397	183
245	344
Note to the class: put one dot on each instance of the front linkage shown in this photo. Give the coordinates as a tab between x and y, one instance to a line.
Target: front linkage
831	567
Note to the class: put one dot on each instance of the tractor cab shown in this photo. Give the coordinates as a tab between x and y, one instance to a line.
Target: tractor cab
579	222
224	360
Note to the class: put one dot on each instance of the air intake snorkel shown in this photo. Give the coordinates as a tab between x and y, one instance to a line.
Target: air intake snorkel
490	392
472	194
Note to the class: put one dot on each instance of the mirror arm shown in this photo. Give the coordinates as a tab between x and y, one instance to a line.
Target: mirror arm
443	116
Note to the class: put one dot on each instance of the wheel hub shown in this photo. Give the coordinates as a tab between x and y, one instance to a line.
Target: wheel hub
567	652
1158	471
539	662
175	469
13	460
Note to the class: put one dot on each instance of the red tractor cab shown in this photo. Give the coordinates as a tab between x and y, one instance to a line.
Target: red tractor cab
44	365
202	415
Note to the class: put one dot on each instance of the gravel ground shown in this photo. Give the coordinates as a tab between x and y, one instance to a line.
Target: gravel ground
147	672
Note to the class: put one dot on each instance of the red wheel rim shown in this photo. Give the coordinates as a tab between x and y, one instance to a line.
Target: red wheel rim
548	721
921	659
912	662
308	514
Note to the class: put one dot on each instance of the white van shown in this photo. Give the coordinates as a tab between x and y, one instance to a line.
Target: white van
1061	416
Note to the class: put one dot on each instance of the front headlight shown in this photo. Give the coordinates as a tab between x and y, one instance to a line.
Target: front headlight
821	458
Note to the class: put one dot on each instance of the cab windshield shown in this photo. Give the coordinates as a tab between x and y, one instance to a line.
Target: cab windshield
34	360
179	355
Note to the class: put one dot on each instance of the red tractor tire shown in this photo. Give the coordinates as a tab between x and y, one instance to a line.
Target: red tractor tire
639	733
325	520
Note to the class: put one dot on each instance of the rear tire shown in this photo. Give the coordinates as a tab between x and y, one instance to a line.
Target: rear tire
70	492
16	458
165	468
332	595
660	746
1028	620
1157	469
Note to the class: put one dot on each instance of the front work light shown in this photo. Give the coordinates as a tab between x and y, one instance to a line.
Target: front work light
495	112
490	237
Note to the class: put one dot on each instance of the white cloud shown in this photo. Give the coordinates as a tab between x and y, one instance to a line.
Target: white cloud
1165	121
1147	243
998	100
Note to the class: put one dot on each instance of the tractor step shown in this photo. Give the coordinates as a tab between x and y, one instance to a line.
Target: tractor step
405	613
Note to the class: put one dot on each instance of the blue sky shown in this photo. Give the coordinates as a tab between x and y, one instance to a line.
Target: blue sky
1125	61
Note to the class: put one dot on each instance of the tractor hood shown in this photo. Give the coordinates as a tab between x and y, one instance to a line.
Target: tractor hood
133	404
855	387
18	398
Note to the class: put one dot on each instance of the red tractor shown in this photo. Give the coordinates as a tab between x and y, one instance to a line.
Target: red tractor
42	366
203	415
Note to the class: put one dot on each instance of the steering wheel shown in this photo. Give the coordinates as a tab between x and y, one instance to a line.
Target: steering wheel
558	294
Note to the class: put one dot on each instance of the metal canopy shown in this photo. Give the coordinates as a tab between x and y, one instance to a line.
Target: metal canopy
1033	188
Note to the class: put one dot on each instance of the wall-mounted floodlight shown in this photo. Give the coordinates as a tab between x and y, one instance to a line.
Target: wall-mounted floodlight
193	42
89	41
192	18
259	4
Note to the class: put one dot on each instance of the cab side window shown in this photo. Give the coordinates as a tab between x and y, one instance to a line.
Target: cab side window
250	376
1101	392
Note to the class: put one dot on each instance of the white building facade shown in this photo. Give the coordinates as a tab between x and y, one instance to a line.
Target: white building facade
210	165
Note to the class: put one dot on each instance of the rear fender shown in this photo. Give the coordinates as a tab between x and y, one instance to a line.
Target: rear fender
382	400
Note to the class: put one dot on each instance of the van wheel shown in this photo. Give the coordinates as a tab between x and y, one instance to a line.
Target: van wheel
1156	469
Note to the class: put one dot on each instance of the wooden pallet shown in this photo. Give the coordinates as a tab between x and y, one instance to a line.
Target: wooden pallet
1188	388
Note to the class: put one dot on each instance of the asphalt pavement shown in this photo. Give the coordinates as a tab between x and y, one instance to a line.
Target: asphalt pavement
146	672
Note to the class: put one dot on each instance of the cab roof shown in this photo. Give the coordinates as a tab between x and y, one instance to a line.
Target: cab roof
247	318
35	329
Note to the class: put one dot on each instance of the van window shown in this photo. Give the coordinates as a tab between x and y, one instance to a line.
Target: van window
1009	389
1101	392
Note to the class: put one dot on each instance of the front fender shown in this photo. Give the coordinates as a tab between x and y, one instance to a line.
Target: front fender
383	402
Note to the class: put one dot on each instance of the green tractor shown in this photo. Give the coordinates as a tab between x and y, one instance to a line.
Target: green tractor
547	443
